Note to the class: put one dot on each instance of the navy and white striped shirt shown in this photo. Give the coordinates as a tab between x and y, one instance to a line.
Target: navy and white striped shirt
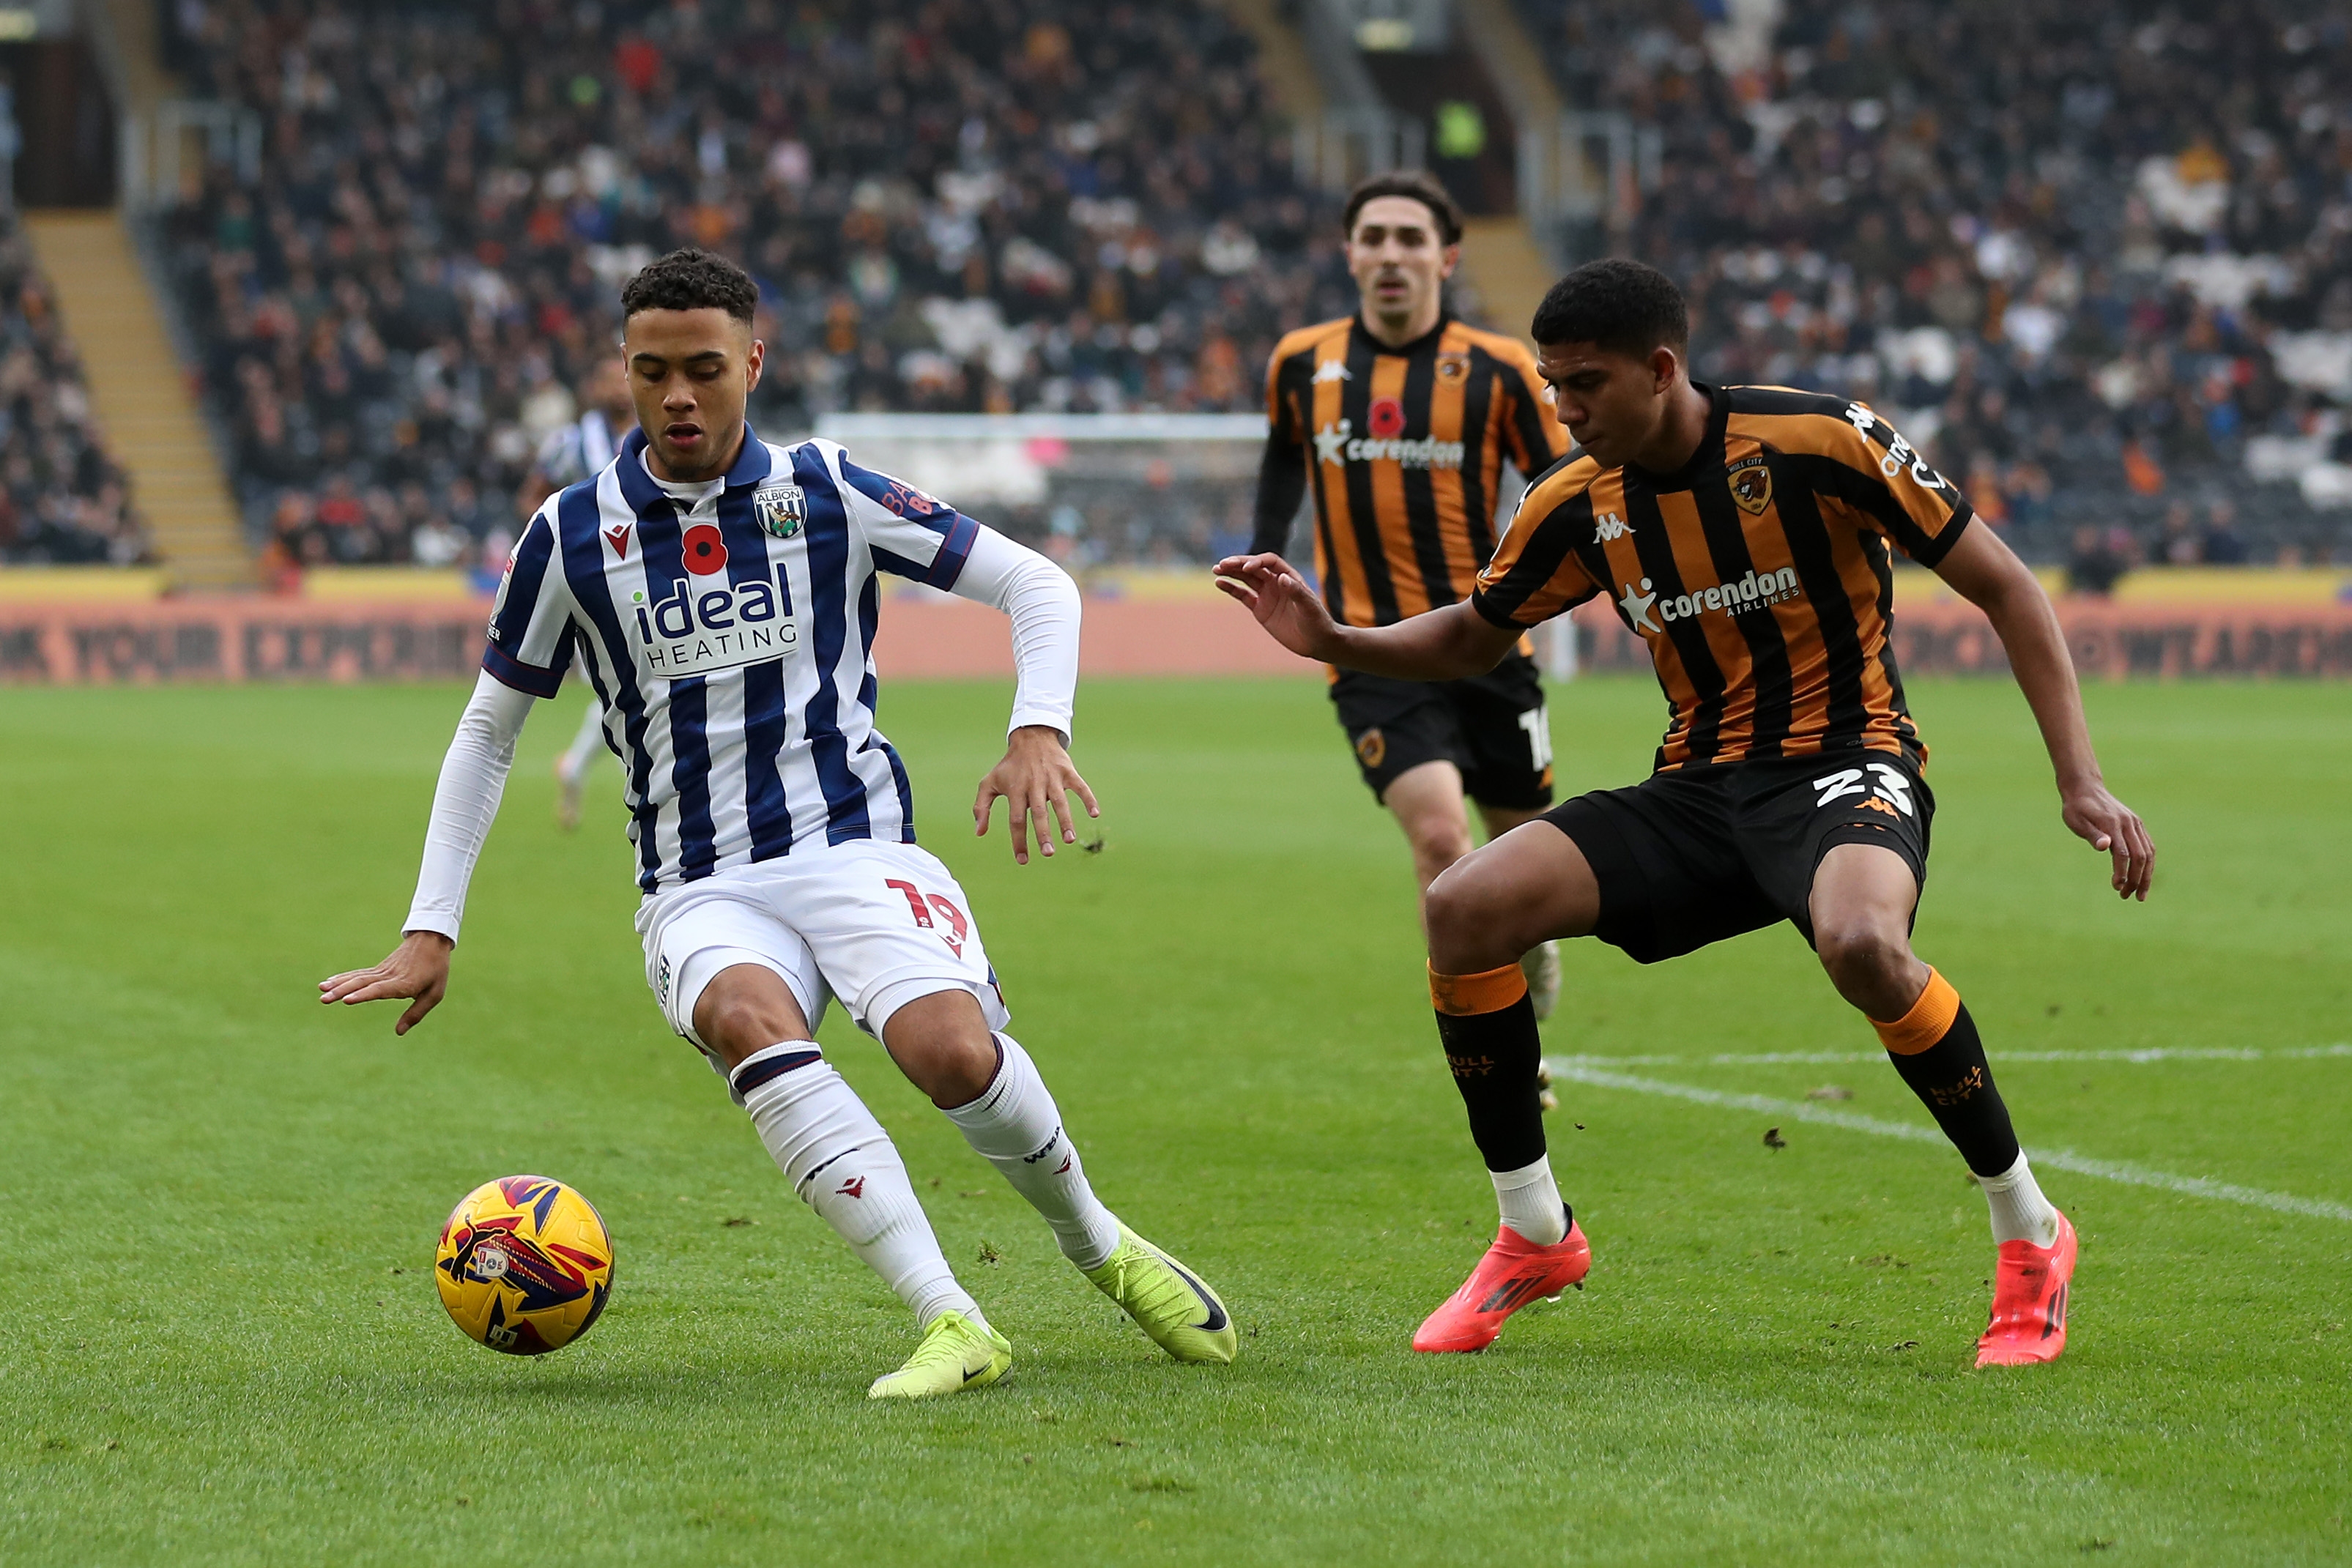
731	644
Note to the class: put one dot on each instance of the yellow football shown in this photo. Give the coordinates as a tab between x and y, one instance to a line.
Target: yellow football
525	1265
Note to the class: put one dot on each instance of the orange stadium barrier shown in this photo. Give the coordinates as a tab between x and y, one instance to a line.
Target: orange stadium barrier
934	636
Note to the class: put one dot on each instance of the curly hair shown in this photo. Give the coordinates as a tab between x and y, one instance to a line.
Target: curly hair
691	279
1623	307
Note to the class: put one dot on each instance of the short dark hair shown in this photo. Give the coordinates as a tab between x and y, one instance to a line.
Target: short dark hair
1623	307
1417	184
691	279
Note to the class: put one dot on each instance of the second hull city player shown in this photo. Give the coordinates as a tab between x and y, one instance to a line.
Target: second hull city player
1398	421
1743	534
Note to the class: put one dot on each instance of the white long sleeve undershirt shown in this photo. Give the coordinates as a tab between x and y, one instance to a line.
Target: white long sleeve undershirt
1038	595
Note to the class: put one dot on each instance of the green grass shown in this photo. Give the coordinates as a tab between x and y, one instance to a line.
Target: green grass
219	1340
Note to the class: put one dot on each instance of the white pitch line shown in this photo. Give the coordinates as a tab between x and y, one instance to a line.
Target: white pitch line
1834	1058
1577	1070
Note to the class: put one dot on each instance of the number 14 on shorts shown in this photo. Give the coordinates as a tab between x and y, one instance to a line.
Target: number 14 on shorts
1891	786
920	904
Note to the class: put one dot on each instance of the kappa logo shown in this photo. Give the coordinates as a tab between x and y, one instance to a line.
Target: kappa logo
1330	371
1637	607
617	536
1609	526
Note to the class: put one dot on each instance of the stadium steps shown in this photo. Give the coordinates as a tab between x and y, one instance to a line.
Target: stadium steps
141	397
1509	268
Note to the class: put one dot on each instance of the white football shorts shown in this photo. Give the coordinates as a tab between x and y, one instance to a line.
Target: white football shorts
877	924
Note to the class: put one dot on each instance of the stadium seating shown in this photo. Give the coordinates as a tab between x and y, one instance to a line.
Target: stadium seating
1046	206
2099	254
62	500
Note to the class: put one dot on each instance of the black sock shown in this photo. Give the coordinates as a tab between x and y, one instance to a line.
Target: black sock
1494	1056
1953	1080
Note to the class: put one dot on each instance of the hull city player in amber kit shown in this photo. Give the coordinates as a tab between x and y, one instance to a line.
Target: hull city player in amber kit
1398	421
1743	533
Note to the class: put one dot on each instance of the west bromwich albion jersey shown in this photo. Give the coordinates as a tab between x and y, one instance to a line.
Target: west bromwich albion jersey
731	644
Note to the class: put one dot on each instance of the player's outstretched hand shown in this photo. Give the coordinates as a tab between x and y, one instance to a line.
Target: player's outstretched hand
417	970
1035	779
1292	613
2106	823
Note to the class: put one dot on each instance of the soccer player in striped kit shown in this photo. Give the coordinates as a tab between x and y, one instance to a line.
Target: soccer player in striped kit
572	453
1397	421
720	594
1743	533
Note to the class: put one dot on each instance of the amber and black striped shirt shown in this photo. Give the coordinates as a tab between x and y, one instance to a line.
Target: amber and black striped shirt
1402	450
1758	573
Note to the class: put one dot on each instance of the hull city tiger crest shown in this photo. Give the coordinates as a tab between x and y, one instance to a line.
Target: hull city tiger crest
779	510
1452	367
1752	485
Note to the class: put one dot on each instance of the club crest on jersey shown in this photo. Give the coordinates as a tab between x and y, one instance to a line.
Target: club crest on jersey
1752	485
1452	367
780	510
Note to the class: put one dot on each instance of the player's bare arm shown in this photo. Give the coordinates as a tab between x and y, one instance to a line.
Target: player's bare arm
1444	644
417	970
1035	781
1986	572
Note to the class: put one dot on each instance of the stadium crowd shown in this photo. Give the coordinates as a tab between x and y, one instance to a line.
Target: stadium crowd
999	204
62	500
2100	255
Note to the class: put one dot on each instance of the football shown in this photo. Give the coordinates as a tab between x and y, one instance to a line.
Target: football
525	1265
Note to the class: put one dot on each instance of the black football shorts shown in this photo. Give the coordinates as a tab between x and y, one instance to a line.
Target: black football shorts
1699	854
1491	727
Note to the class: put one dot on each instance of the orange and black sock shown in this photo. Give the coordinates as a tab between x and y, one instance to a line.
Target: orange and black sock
1936	1048
1487	1026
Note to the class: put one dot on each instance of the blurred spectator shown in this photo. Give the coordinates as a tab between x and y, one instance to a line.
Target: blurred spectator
2111	238
62	500
2094	564
2222	545
2178	545
950	204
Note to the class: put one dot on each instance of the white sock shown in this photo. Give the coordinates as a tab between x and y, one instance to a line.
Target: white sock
1015	1126
842	1163
2020	1212
1532	1202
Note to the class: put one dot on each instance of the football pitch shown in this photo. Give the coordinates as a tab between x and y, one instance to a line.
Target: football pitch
220	1341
